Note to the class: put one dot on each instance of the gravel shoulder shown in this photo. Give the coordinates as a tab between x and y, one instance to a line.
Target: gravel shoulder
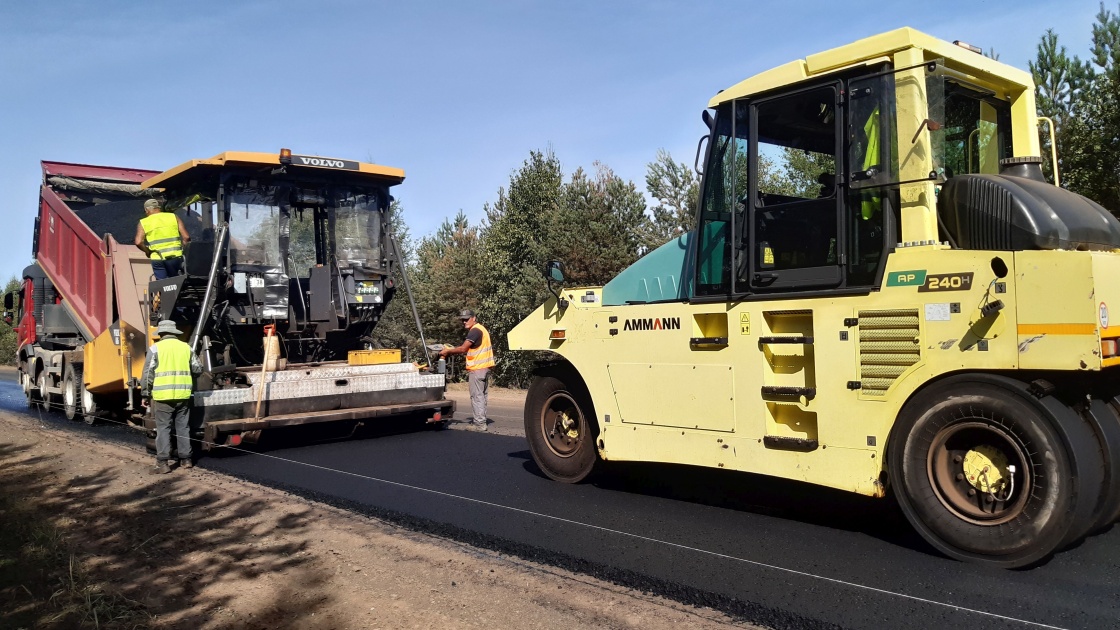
196	549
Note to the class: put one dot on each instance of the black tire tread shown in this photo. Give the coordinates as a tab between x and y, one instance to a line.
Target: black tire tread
72	377
1000	546
580	466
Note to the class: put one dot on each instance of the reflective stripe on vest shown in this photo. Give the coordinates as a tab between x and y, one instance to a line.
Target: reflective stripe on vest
173	370
161	231
481	357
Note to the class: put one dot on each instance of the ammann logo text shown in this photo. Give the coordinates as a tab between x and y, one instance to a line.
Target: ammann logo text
653	323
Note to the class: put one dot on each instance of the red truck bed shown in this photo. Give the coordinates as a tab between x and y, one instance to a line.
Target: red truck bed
76	258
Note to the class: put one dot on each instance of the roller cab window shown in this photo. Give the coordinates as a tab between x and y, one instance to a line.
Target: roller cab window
794	235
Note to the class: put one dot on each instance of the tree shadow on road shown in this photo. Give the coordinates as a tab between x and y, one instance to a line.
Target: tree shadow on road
177	549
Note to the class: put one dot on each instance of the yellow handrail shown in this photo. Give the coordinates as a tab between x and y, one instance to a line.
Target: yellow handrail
1053	149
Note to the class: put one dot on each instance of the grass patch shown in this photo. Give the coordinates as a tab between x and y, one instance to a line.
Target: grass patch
42	581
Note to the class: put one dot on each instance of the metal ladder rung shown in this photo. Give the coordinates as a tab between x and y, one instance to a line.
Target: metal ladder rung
790	443
779	390
800	339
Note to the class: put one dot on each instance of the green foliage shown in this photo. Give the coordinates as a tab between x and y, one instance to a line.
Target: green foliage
1081	97
675	189
802	170
8	340
397	327
1106	45
515	248
595	224
1091	155
596	230
448	278
1058	79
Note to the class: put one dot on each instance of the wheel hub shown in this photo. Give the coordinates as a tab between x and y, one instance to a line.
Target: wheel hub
568	425
986	469
560	421
979	472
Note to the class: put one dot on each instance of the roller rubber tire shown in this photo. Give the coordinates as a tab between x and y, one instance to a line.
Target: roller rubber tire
1045	511
1105	417
1090	468
560	428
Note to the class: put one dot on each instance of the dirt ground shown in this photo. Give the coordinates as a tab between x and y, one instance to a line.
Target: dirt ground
196	549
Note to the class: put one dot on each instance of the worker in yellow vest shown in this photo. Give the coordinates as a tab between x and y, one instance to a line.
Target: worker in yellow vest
162	236
480	358
168	384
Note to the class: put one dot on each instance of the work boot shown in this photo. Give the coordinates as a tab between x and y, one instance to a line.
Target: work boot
186	463
161	468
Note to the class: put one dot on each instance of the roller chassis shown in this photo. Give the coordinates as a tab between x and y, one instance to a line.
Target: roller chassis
968	365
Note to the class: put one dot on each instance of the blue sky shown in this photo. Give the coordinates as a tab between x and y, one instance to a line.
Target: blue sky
455	93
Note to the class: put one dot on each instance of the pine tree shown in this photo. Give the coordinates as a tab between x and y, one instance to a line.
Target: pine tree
675	190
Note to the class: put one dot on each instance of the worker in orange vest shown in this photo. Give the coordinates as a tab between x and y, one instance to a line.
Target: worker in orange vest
480	358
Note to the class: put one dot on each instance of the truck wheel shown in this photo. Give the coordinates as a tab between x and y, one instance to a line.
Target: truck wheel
91	409
25	382
46	401
983	475
560	428
71	391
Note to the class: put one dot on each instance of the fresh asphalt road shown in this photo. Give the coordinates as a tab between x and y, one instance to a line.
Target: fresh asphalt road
776	553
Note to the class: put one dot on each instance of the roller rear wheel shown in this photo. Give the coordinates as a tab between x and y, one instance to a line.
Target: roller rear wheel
1105	418
983	471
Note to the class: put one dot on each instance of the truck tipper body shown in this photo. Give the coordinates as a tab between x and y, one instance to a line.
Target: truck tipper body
288	271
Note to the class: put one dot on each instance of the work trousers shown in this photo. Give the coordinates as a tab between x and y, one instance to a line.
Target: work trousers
478	381
167	267
166	414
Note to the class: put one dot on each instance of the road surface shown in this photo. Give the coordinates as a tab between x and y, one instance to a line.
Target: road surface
777	553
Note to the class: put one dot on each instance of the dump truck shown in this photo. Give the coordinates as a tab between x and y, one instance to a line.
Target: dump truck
290	266
882	294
